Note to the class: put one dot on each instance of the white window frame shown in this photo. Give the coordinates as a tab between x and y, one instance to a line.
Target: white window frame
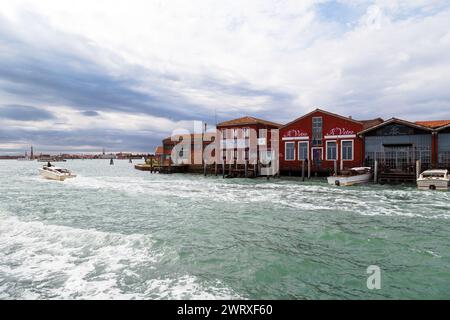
235	133
285	151
312	153
337	150
353	150
246	132
307	150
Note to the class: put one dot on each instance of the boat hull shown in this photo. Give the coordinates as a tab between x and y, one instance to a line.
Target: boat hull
349	180
53	176
433	184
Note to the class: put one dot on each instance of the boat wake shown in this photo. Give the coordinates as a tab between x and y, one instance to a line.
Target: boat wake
41	261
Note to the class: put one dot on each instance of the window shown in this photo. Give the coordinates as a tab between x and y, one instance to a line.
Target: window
290	151
331	150
303	148
317	131
262	133
347	150
234	133
246	133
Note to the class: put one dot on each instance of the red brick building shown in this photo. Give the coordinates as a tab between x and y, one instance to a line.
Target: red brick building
322	138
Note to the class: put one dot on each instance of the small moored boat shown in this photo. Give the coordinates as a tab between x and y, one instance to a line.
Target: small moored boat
433	180
351	177
56	173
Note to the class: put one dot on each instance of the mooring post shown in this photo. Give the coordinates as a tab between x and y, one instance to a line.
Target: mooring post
303	170
375	172
342	164
335	167
418	169
309	169
215	168
205	169
246	168
223	168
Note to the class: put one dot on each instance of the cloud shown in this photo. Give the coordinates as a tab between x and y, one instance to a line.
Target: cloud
90	113
24	113
145	67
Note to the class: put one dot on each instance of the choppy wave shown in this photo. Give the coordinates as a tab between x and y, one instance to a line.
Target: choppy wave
57	262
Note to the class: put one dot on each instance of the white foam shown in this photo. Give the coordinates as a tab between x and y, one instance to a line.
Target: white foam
61	262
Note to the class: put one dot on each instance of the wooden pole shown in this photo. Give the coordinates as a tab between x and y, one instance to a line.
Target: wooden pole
204	169
215	168
303	170
375	174
418	169
223	168
309	169
246	168
335	167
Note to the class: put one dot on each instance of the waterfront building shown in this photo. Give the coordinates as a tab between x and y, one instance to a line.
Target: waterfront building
444	146
441	148
397	144
246	144
186	150
324	141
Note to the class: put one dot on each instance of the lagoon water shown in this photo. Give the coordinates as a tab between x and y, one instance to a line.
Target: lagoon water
117	233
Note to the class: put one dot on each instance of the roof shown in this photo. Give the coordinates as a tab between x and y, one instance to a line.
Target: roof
159	150
323	111
371	123
395	120
246	121
434	123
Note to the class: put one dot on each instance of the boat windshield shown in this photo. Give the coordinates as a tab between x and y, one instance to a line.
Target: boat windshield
434	175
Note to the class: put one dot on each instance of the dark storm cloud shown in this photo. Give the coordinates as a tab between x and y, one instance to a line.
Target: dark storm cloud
90	113
62	73
83	140
24	113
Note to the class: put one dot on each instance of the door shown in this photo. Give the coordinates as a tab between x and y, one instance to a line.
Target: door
317	156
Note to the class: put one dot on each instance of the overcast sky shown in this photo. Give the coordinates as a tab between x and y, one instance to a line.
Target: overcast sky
85	75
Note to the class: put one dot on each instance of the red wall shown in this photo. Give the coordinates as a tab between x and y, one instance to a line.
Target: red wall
329	122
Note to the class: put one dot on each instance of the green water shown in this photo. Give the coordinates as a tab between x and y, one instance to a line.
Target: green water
117	233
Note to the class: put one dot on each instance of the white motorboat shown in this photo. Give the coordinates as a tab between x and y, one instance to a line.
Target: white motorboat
433	180
56	173
357	175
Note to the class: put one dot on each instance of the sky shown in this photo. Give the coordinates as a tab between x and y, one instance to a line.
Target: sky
80	76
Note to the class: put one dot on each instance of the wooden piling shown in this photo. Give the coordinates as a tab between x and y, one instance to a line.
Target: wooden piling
303	170
246	169
309	169
375	172
418	169
335	168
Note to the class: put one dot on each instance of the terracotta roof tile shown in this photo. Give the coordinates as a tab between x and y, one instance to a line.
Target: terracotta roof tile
247	120
434	124
371	123
159	150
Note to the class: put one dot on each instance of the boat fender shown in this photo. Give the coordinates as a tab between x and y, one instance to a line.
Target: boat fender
337	182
